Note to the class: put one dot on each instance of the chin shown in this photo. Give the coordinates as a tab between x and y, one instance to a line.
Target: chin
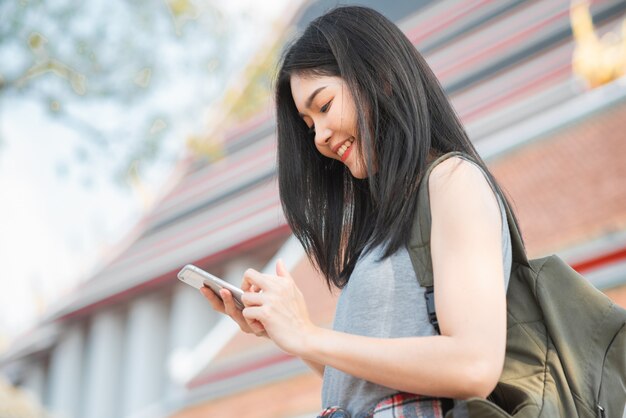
358	171
358	174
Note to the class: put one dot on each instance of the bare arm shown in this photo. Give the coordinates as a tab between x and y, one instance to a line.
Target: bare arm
466	360
316	367
228	307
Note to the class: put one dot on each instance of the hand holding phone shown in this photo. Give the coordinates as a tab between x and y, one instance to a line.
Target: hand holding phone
198	278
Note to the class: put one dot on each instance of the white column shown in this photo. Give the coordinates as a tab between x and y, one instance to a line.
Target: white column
143	380
185	364
34	379
104	365
65	376
191	318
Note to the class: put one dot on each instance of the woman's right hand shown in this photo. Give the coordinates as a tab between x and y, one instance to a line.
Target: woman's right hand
227	306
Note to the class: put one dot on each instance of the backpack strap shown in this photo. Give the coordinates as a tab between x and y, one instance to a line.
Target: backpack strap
419	243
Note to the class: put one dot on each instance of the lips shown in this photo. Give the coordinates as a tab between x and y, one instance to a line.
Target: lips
345	155
343	148
347	142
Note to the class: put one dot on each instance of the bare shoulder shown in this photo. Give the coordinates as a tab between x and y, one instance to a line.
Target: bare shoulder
456	182
454	169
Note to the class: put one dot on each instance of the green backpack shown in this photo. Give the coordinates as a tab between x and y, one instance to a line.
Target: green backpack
566	340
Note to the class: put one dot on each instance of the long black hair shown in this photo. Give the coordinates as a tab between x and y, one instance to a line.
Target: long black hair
404	119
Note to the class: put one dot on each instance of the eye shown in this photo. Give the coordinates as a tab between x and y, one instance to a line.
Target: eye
324	108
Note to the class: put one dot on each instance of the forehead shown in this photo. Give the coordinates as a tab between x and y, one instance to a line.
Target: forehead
302	86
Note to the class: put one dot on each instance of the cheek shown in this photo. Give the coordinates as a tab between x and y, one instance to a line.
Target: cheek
324	151
347	117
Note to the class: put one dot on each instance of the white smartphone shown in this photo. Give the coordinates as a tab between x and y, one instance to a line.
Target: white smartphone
196	277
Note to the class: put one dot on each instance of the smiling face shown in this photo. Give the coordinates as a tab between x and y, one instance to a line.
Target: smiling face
327	107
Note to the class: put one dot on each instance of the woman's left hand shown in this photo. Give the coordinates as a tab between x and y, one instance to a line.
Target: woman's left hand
280	307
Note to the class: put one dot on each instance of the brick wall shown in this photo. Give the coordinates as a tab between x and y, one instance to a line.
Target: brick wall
571	187
283	399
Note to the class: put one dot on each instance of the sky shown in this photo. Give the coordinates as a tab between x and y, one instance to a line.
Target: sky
53	230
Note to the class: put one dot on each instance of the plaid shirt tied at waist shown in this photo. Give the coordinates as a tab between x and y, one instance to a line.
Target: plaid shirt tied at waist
399	405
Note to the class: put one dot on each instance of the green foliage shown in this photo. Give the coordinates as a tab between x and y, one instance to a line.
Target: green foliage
105	69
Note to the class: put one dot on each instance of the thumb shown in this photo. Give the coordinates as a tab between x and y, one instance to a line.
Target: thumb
281	269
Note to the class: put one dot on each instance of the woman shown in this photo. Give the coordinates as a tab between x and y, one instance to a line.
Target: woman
360	116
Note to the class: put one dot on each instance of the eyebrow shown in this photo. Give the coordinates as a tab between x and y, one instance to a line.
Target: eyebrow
311	97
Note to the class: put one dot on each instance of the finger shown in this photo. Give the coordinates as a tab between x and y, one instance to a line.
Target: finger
254	313
247	285
281	269
252	299
257	327
232	307
251	277
234	312
216	302
229	303
256	289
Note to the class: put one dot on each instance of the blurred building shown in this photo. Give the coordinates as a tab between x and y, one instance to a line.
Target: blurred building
133	342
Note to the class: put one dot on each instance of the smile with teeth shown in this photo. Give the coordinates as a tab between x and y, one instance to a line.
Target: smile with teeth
342	149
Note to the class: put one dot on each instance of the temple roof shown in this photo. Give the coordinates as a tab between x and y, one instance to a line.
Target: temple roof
500	62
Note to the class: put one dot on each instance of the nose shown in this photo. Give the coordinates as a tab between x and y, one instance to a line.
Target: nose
322	136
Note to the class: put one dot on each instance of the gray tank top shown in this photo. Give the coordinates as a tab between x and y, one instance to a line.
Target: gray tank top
384	300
